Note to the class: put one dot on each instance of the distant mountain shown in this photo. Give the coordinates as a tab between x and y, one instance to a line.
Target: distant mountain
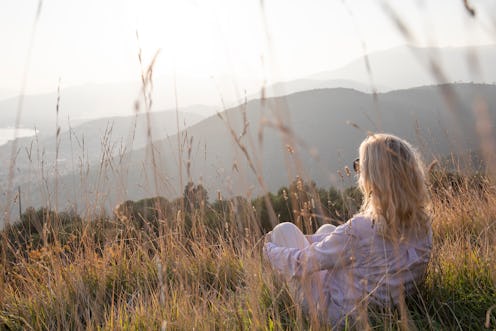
397	68
79	104
407	67
313	134
75	103
299	85
85	145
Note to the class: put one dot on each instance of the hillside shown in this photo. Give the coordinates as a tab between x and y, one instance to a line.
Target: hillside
319	135
407	67
80	104
83	145
299	85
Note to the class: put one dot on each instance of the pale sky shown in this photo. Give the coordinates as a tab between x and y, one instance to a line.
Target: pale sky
248	41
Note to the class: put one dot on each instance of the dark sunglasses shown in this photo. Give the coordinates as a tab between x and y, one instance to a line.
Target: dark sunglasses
356	165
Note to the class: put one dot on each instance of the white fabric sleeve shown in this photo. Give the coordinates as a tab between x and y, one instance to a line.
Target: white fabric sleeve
313	238
335	249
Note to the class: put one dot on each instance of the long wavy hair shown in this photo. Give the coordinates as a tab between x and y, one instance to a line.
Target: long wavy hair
392	180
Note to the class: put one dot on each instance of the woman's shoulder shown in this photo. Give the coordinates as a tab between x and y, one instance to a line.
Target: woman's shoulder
359	225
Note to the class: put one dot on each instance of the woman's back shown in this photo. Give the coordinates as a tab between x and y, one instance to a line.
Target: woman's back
350	267
381	269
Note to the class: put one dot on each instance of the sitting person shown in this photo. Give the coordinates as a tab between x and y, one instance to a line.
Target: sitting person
378	256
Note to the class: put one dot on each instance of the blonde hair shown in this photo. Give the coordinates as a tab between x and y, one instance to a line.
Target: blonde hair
393	184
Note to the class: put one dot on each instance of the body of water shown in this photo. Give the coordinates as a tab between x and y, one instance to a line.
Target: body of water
8	134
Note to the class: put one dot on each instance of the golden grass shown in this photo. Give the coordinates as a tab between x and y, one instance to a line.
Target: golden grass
110	275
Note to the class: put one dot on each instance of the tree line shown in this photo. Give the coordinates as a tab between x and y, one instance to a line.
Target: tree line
193	213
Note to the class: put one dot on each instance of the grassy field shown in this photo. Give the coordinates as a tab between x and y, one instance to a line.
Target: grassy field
191	264
197	266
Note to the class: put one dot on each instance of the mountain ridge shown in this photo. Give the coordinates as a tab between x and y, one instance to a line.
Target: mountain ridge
396	68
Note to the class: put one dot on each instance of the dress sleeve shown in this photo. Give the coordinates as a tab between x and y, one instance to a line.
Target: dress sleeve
313	238
335	249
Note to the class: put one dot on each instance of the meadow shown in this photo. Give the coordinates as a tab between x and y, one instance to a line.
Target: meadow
193	264
196	262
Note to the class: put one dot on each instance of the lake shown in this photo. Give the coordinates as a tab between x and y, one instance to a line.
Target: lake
7	134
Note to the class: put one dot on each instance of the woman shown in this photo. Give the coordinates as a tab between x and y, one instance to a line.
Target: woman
379	255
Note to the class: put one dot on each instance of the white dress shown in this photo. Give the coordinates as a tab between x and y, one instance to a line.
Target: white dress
337	272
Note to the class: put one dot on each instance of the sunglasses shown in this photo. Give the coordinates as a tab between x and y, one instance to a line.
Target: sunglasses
356	165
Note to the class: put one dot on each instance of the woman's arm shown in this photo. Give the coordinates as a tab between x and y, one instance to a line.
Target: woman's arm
335	249
313	238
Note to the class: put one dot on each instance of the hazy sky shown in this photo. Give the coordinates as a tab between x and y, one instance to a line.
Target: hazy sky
94	41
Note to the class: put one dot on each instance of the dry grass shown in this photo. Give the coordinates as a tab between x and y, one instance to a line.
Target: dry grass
201	267
110	274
